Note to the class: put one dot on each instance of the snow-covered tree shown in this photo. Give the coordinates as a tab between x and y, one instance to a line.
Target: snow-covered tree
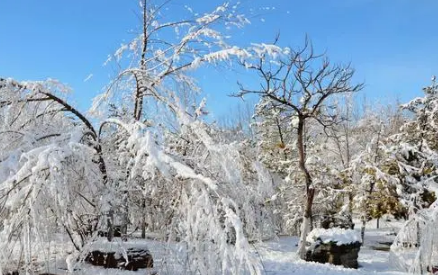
52	170
413	153
213	193
175	160
302	83
372	187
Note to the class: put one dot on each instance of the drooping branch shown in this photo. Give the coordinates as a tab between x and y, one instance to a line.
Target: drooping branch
48	96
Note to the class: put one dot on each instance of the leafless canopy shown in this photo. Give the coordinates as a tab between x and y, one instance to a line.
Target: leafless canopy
302	81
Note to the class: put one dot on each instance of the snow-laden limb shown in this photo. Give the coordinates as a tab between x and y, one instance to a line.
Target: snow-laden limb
49	165
154	59
212	235
205	177
168	163
268	50
150	159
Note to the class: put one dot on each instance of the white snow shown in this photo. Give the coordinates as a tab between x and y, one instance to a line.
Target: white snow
336	235
279	258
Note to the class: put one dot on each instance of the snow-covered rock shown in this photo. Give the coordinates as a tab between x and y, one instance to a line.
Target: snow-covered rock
336	246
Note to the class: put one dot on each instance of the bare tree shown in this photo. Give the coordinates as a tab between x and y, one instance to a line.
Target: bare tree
302	83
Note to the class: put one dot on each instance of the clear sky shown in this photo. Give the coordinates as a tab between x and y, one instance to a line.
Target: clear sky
393	44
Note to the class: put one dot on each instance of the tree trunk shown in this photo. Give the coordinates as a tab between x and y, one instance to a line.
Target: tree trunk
306	226
302	243
378	223
362	229
143	219
139	95
417	245
110	224
125	217
365	216
310	191
350	207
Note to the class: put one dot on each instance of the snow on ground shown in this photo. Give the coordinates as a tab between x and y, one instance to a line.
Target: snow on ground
278	257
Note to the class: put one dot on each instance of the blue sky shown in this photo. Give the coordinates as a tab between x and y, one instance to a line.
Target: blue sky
392	44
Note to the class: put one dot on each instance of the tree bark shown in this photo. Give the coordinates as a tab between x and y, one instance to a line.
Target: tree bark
310	191
110	224
143	219
362	229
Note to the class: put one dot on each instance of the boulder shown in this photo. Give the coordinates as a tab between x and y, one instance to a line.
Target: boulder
137	259
337	246
344	254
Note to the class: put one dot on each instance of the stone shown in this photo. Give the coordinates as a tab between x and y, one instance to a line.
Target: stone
345	255
137	259
432	269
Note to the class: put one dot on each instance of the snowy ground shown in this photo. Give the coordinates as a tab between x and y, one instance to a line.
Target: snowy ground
277	256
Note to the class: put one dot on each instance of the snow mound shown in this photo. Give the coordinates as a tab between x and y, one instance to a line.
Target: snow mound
336	235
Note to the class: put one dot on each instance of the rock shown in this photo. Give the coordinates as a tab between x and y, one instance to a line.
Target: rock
432	269
137	259
345	255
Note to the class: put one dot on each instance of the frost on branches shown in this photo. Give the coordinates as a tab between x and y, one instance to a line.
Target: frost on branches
416	159
300	85
50	173
170	161
53	182
62	175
